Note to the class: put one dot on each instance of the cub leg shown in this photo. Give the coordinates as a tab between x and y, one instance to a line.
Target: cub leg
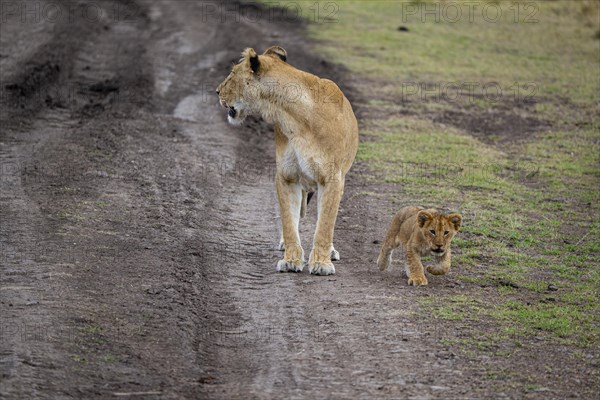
329	195
442	265
390	242
416	274
289	194
385	255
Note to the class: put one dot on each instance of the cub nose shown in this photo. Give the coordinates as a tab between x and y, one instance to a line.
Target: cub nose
217	91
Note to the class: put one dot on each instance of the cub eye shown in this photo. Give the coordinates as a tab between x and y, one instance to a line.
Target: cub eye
446	233
432	232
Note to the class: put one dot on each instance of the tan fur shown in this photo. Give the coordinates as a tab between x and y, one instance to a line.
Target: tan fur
316	138
412	229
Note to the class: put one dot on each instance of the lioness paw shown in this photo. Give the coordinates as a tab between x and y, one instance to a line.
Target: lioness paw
321	268
290	265
417	280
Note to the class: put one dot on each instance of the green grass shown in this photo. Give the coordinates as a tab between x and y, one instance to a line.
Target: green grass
530	206
564	321
456	308
558	53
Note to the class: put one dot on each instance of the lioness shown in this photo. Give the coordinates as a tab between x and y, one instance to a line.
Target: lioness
316	138
420	232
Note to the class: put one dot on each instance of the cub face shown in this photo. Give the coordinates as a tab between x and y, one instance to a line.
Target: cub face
438	230
240	90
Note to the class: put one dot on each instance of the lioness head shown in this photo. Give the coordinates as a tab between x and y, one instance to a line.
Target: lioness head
438	230
240	90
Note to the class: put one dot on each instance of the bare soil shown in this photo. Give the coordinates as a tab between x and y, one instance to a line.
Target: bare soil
139	234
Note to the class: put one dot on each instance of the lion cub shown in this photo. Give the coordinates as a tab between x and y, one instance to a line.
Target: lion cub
420	232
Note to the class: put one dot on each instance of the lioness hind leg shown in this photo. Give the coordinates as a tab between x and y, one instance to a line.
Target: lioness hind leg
335	255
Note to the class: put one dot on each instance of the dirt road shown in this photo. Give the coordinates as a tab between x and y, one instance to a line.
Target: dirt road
139	230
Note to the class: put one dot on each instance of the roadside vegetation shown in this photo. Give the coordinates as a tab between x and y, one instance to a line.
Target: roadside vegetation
498	118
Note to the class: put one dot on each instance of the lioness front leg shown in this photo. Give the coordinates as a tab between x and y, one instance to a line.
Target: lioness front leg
442	265
329	196
302	212
289	194
334	255
416	274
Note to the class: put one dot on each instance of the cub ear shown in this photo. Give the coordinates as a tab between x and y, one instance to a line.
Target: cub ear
251	59
456	220
422	217
276	51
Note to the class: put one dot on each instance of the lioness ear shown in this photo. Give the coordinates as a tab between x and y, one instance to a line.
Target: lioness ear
252	59
276	51
456	220
423	217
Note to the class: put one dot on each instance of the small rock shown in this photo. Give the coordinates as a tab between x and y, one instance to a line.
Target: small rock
376	241
542	389
552	287
548	299
438	387
32	303
445	355
505	282
402	28
394	351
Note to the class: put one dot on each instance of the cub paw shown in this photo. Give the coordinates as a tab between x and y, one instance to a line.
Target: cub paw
417	280
290	265
335	255
321	268
437	270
